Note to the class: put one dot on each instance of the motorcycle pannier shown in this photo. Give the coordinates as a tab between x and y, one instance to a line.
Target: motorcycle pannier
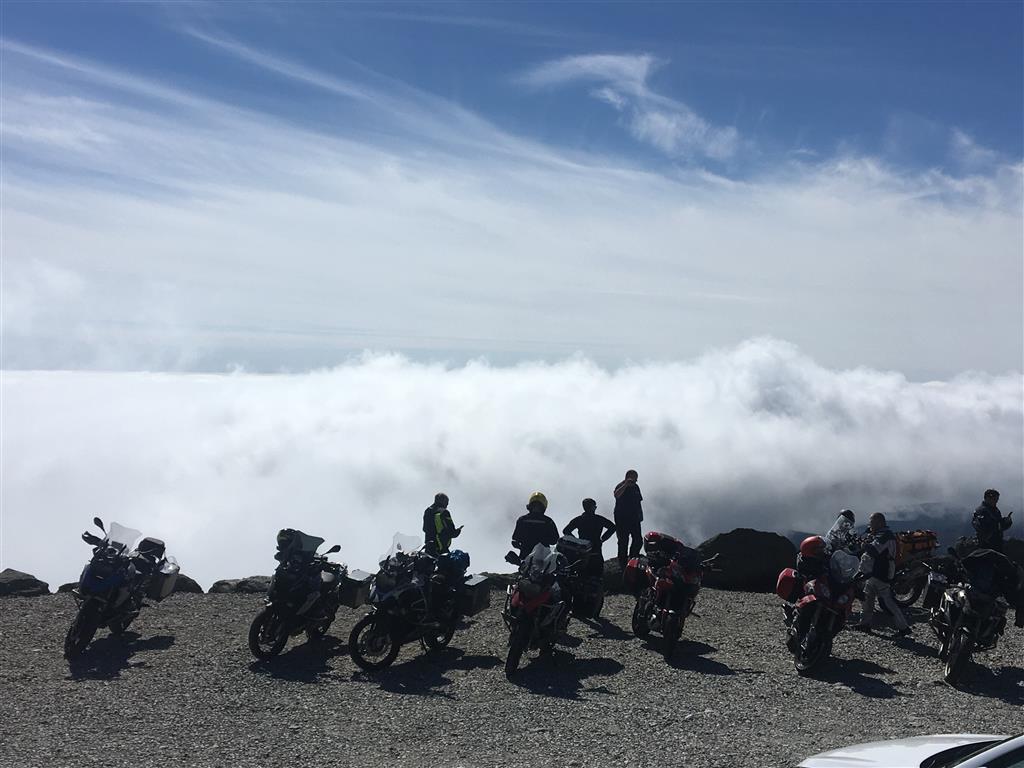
915	545
355	588
163	580
573	548
790	586
475	597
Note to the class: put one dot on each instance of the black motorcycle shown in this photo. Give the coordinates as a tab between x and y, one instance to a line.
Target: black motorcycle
124	570
581	581
304	595
970	614
414	596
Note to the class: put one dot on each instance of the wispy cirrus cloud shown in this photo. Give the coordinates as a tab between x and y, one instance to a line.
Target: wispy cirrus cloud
621	81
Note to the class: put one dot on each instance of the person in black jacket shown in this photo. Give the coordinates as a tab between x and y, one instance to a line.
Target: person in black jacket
438	528
594	528
628	515
989	522
534	527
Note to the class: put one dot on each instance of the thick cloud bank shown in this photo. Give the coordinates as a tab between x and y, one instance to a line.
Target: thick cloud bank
757	435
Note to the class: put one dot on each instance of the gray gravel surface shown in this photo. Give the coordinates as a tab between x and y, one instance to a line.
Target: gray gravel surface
184	691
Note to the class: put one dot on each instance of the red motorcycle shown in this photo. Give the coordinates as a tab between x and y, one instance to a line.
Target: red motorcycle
818	604
665	584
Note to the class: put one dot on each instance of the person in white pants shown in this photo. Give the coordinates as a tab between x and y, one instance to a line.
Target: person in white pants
878	563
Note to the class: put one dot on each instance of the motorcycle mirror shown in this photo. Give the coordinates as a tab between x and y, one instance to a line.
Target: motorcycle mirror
332	550
99	524
513	558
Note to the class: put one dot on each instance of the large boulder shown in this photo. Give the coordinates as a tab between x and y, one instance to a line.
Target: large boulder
17	584
499	581
249	585
1014	549
184	584
749	560
67	587
612	576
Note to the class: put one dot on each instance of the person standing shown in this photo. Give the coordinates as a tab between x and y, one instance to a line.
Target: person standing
878	563
596	529
438	528
628	515
989	522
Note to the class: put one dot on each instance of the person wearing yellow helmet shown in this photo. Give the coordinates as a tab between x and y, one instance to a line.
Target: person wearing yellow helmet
535	527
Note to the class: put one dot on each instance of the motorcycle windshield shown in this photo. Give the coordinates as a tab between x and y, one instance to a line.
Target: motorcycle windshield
123	536
840	534
541	560
401	542
843	566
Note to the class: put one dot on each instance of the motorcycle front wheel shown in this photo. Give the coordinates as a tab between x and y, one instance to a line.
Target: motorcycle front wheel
641	627
517	642
371	645
267	634
82	629
806	660
957	657
671	632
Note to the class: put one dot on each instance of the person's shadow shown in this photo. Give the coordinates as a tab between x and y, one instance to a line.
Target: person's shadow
304	663
689	655
855	674
1003	683
108	656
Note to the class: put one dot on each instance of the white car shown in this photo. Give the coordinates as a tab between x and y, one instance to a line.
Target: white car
965	750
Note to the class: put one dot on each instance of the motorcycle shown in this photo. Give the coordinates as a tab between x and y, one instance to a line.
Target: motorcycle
666	584
303	595
414	596
584	589
970	614
915	552
817	609
536	611
125	569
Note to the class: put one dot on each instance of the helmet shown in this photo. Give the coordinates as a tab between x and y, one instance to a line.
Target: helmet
538	497
848	514
992	493
812	546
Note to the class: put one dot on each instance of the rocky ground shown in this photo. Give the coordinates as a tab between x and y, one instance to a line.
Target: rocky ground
184	691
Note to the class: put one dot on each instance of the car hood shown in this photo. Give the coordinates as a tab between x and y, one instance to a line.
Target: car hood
898	753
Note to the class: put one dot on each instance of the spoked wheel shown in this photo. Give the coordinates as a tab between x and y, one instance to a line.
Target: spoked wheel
641	628
371	645
82	630
318	631
267	634
957	657
517	643
807	659
120	625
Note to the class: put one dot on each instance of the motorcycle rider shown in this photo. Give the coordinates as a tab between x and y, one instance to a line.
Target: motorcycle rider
438	528
878	564
594	528
842	534
628	515
535	527
989	522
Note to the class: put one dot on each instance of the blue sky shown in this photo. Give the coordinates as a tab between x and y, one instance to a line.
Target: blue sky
683	176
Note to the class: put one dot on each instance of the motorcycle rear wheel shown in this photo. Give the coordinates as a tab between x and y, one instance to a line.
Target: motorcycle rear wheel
371	647
267	635
806	662
641	627
957	657
82	630
905	593
517	643
436	640
120	625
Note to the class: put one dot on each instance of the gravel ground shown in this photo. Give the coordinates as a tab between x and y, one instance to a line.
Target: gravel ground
184	691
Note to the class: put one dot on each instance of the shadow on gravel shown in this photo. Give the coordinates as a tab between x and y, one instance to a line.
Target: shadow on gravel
1003	683
108	656
917	648
689	655
855	675
562	674
605	629
305	663
425	674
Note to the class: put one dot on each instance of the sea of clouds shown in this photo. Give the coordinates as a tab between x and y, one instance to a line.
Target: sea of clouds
754	435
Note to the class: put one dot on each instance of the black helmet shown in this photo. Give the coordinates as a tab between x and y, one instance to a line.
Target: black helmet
848	514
